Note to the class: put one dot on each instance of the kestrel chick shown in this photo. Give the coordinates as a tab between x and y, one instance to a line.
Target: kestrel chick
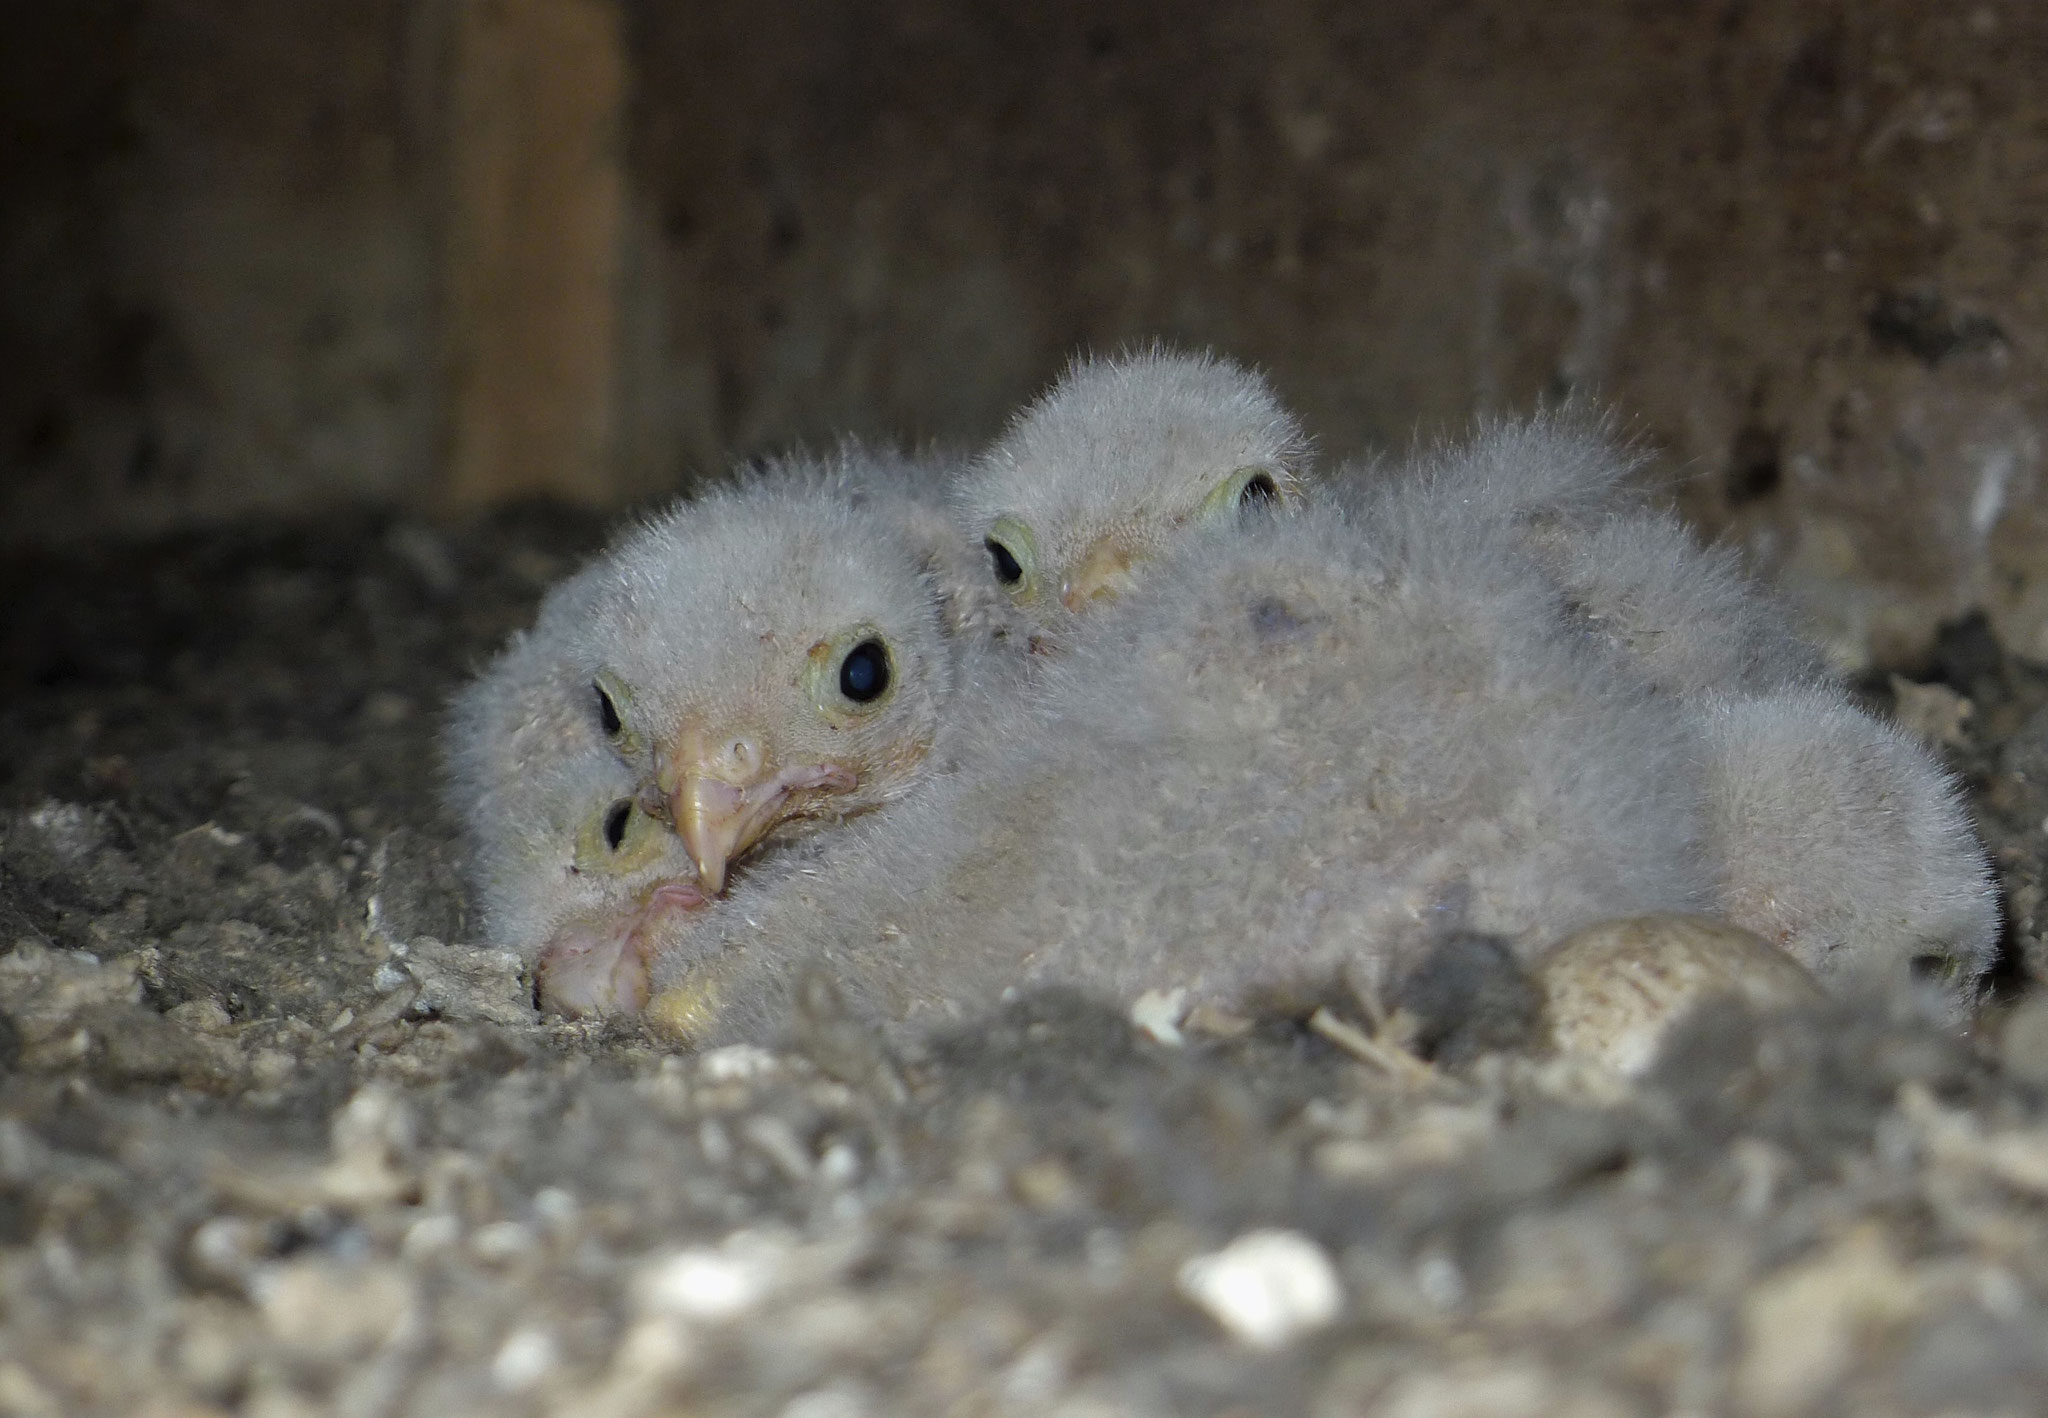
1832	833
1502	698
1839	837
763	659
1102	471
766	658
1631	572
565	865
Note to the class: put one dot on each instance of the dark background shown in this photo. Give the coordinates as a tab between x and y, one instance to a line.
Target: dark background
269	258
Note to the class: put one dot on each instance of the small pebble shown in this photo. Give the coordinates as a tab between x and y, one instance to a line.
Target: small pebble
704	1283
429	1236
272	1068
525	1358
1268	1288
73	831
556	1205
1803	1328
738	1061
1933	712
840	1165
201	1016
501	1241
226	1248
1157	1014
331	1311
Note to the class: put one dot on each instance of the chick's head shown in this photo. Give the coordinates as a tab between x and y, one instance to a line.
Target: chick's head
766	658
1104	470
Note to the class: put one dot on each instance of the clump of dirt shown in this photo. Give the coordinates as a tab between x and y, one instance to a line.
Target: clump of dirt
277	1138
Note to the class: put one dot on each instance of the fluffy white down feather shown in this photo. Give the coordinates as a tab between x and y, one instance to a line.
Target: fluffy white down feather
1832	832
1295	750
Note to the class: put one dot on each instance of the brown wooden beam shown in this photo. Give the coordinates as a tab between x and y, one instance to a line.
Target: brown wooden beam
533	221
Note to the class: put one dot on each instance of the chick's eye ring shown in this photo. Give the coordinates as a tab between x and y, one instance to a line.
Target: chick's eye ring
851	675
1250	489
1013	556
619	838
614	703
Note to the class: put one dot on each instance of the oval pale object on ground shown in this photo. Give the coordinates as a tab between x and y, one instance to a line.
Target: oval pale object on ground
1614	990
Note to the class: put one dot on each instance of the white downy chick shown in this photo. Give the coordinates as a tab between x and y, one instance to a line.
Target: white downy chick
1311	748
1105	469
766	658
1834	834
565	865
1839	837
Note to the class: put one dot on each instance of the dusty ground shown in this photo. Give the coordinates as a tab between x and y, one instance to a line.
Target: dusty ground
273	1141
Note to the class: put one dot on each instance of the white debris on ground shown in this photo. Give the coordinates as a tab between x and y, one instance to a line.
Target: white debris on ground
1268	1288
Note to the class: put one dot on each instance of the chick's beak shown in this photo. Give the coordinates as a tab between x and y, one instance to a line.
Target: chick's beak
1105	572
724	795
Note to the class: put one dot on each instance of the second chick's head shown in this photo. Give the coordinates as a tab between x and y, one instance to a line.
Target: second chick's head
1104	469
766	658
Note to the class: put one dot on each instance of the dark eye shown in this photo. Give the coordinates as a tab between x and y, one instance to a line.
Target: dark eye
1259	492
1008	571
607	713
615	821
864	673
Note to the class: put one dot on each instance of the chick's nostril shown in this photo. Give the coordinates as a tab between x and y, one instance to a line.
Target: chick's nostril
743	756
1077	596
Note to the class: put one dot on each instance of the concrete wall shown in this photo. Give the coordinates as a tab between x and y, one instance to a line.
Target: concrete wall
1799	244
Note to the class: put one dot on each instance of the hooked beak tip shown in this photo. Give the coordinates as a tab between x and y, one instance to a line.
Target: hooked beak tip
707	816
720	820
710	873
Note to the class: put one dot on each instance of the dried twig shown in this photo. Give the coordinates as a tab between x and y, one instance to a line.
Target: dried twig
1398	1063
